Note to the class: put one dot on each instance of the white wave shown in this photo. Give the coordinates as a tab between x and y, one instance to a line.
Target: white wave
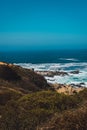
51	65
72	78
68	79
69	59
55	66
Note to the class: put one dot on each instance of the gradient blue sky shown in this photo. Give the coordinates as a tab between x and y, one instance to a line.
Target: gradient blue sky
43	24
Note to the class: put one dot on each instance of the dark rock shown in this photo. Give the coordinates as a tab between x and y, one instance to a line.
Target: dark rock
75	72
52	73
82	83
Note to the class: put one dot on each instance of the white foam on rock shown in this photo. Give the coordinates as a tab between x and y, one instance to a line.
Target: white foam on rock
68	79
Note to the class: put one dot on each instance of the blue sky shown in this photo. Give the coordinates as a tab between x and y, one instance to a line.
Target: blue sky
43	24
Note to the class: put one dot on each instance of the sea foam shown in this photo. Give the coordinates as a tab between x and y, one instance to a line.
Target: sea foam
68	79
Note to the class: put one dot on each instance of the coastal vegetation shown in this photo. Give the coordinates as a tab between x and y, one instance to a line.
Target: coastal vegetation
40	108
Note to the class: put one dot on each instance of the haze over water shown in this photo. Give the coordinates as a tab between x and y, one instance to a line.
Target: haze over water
43	25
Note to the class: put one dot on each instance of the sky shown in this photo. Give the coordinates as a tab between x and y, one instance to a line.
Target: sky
43	24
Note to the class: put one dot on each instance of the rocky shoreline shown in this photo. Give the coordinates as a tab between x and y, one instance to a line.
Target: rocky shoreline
56	73
67	89
52	73
63	88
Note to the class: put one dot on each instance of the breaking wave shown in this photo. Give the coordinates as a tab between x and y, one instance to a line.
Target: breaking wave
69	79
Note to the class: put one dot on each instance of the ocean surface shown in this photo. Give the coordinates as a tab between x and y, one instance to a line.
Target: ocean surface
54	60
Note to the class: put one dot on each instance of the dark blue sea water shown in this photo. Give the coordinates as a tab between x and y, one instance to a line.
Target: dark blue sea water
55	60
54	56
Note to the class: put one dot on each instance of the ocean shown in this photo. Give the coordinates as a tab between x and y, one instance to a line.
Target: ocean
53	60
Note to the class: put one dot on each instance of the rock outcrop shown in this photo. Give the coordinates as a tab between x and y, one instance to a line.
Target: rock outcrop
52	73
67	89
75	72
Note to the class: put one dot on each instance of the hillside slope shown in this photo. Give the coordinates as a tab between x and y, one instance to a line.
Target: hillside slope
21	79
27	102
